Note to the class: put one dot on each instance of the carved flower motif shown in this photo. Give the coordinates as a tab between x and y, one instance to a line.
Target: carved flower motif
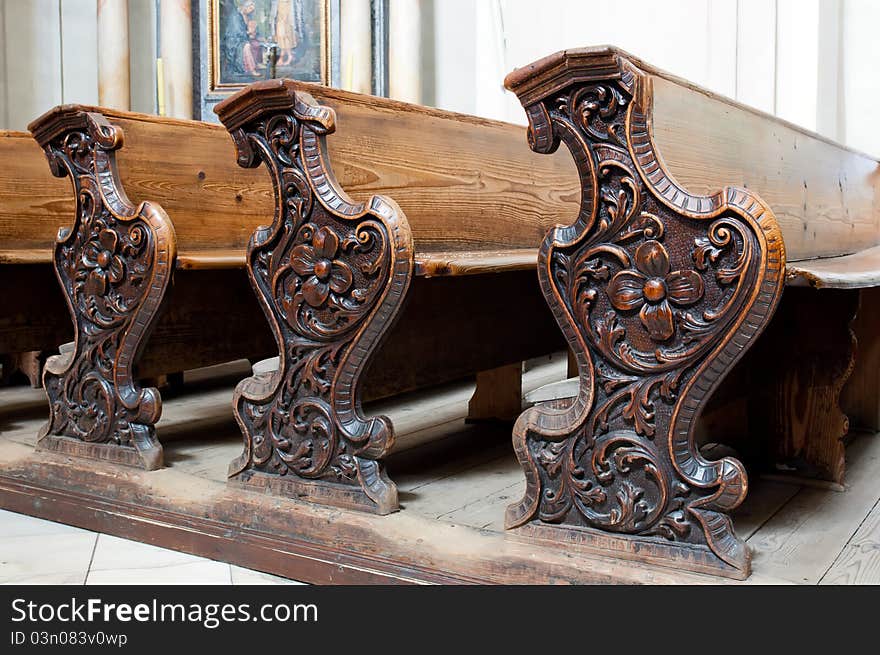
652	287
100	256
321	271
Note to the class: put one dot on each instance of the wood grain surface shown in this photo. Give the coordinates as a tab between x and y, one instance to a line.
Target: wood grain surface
824	196
465	184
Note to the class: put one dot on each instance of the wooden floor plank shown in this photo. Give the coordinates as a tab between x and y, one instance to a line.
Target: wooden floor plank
452	454
447	495
465	475
859	562
765	499
487	513
802	542
418	415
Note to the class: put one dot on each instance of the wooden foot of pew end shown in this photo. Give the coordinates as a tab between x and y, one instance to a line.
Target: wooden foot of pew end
382	499
647	550
146	454
659	293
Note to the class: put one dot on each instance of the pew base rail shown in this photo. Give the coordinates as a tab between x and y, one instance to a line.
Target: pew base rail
201	514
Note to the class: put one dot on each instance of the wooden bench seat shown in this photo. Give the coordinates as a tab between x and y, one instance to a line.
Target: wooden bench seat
215	206
857	270
696	212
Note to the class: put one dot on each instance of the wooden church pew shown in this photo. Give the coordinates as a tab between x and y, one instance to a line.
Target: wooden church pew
696	212
402	151
474	200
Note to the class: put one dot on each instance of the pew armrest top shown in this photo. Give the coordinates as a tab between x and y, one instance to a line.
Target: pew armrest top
854	271
270	97
448	263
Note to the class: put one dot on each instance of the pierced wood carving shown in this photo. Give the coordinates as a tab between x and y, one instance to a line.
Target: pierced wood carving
331	275
658	292
114	266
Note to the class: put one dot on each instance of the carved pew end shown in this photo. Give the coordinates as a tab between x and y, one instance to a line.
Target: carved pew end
331	275
659	292
114	264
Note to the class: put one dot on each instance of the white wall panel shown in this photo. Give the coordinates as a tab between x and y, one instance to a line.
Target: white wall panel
861	81
797	61
79	51
756	53
455	54
32	44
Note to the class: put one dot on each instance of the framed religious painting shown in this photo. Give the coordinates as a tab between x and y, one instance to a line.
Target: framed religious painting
242	41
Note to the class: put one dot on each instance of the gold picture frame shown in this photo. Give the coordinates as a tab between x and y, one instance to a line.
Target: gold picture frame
215	73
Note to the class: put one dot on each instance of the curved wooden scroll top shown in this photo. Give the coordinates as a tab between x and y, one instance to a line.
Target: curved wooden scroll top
331	275
659	292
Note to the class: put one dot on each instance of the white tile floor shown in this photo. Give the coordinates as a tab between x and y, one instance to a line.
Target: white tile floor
34	551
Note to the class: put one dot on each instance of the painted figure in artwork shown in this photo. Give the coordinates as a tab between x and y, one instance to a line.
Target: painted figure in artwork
247	30
240	49
288	28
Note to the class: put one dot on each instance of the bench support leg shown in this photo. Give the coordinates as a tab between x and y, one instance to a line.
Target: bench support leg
861	394
659	293
803	363
114	267
331	276
29	363
498	394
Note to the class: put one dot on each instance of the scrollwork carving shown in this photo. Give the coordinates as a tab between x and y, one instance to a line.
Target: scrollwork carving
114	266
658	292
331	275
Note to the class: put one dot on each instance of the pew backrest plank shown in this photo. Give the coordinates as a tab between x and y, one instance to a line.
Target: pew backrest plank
824	195
33	203
465	184
468	186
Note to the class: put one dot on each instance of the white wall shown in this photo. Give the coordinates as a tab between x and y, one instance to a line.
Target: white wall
859	93
32	56
49	56
811	62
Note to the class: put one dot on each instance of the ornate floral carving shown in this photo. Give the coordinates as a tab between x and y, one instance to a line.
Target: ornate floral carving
651	288
114	266
658	292
106	266
322	276
331	275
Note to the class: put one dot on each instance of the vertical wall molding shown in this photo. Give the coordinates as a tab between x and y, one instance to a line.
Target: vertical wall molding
405	50
355	45
114	81
175	38
4	110
142	61
79	51
32	42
